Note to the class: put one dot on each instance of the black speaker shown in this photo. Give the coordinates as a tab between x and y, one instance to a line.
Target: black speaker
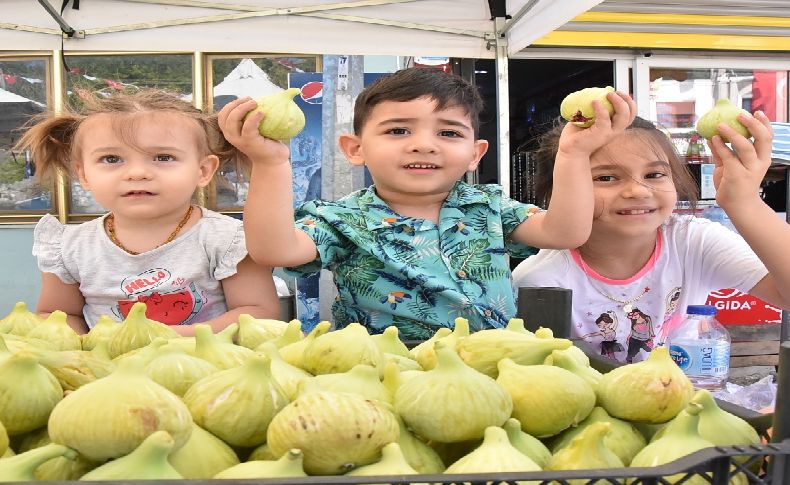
546	307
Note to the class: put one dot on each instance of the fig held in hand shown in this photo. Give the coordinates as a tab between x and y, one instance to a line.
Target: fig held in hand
578	109
282	118
723	112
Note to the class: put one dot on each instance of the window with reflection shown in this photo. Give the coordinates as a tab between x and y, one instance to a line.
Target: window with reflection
236	77
23	94
106	75
678	97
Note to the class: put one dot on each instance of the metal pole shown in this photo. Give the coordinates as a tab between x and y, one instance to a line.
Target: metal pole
503	106
784	330
64	27
781	424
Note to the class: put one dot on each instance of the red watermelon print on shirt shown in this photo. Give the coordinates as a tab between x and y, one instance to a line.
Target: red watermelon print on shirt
172	307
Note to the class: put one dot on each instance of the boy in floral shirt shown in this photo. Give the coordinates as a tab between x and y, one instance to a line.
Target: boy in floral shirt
419	247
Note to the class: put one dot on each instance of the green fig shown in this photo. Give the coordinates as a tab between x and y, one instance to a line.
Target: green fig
653	391
495	455
340	350
336	431
577	107
723	112
60	468
392	463
146	462
237	404
484	349
20	321
389	342
255	331
586	451
623	438
111	416
418	454
22	467
526	443
290	464
282	118
679	439
546	399
103	331
56	330
137	330
426	402
28	393
203	456
222	355
176	370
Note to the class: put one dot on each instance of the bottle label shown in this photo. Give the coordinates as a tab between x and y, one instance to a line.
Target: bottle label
702	358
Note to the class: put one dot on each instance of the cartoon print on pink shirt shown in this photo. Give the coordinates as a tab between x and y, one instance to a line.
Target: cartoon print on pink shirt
671	316
176	306
607	330
607	324
642	334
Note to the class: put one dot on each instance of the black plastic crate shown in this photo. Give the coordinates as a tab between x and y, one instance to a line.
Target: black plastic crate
714	465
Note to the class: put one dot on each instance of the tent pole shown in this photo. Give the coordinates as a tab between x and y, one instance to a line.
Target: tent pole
503	106
64	26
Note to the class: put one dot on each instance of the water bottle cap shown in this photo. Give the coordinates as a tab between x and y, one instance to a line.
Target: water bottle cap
701	310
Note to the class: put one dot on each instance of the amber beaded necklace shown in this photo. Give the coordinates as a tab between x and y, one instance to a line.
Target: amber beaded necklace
109	224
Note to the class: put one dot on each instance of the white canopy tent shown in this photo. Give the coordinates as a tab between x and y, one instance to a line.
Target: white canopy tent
456	28
246	79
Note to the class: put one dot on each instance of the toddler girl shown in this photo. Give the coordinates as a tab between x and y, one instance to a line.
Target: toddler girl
141	156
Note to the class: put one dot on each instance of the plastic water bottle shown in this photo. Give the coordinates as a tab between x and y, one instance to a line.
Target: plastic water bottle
717	214
700	346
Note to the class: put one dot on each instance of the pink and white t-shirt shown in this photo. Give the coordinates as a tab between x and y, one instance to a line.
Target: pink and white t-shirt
693	257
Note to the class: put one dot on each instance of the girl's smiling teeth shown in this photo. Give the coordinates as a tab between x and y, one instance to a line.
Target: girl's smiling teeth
635	212
421	165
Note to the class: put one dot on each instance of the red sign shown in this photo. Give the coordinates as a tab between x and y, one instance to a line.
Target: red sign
738	308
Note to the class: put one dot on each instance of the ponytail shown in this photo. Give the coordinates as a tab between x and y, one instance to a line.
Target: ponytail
50	140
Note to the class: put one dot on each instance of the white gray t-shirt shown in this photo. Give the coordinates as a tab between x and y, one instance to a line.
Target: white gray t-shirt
179	281
693	257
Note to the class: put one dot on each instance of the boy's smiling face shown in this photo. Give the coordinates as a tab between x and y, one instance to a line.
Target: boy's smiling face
413	151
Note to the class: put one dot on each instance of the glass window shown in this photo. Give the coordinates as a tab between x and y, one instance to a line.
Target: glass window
237	77
105	75
23	93
678	97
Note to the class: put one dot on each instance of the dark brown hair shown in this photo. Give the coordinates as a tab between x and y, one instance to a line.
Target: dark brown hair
51	137
448	90
546	153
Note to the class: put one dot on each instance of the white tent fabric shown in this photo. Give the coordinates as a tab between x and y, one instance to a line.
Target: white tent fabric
457	28
9	97
246	79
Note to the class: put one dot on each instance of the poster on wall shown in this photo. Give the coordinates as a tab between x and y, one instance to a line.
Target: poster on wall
306	163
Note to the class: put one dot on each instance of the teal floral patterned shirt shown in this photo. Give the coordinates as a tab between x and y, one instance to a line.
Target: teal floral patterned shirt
396	270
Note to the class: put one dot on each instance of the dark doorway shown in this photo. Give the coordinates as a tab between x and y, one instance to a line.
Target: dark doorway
537	87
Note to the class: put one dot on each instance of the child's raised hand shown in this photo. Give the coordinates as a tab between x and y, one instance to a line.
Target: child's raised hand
576	141
243	133
740	170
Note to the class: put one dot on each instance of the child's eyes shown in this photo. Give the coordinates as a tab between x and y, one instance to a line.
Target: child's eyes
656	175
164	158
450	134
604	178
110	159
397	131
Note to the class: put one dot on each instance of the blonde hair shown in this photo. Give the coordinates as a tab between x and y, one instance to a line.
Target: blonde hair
51	137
